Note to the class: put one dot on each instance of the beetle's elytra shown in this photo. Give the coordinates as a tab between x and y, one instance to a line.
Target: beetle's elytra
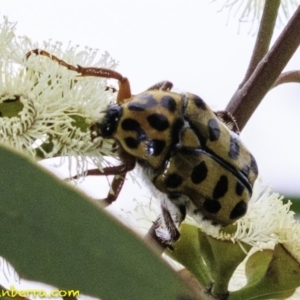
192	156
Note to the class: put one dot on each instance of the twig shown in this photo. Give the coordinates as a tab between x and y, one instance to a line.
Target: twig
264	36
247	98
287	77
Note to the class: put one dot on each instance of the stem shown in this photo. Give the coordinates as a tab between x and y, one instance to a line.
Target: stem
291	76
247	98
264	36
196	285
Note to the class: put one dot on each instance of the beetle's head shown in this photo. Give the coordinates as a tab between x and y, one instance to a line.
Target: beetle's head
108	125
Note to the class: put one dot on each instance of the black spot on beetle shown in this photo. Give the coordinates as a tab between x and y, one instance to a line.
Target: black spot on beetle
239	188
169	103
221	187
199	173
155	147
173	181
199	102
234	148
135	106
175	132
142	102
214	130
253	165
158	122
131	142
130	125
239	210
212	206
148	99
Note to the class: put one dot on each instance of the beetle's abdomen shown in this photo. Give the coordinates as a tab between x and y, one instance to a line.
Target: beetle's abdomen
217	192
217	139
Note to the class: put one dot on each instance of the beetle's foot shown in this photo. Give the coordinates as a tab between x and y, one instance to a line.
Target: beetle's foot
166	232
229	120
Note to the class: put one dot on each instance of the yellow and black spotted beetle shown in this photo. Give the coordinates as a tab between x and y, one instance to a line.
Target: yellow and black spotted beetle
192	156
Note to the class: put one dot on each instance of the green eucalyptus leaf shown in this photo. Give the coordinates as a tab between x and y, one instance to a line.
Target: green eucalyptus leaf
280	296
11	107
245	295
270	277
53	234
80	122
188	252
295	206
257	265
226	257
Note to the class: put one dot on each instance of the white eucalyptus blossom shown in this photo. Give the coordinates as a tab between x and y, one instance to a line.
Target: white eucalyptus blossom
250	11
6	35
50	108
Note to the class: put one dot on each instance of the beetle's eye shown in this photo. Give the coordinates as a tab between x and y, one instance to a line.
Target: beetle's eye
108	127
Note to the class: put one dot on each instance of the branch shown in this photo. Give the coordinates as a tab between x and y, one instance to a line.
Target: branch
264	36
287	77
247	98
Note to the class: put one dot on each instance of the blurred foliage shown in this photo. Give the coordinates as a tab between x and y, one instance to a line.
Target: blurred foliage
53	234
296	204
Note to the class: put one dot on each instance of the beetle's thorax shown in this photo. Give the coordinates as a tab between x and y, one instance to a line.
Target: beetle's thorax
149	126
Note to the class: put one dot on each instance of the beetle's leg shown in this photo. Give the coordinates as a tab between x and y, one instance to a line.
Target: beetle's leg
165	228
152	239
228	119
119	173
124	93
167	224
163	86
52	57
116	187
124	86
